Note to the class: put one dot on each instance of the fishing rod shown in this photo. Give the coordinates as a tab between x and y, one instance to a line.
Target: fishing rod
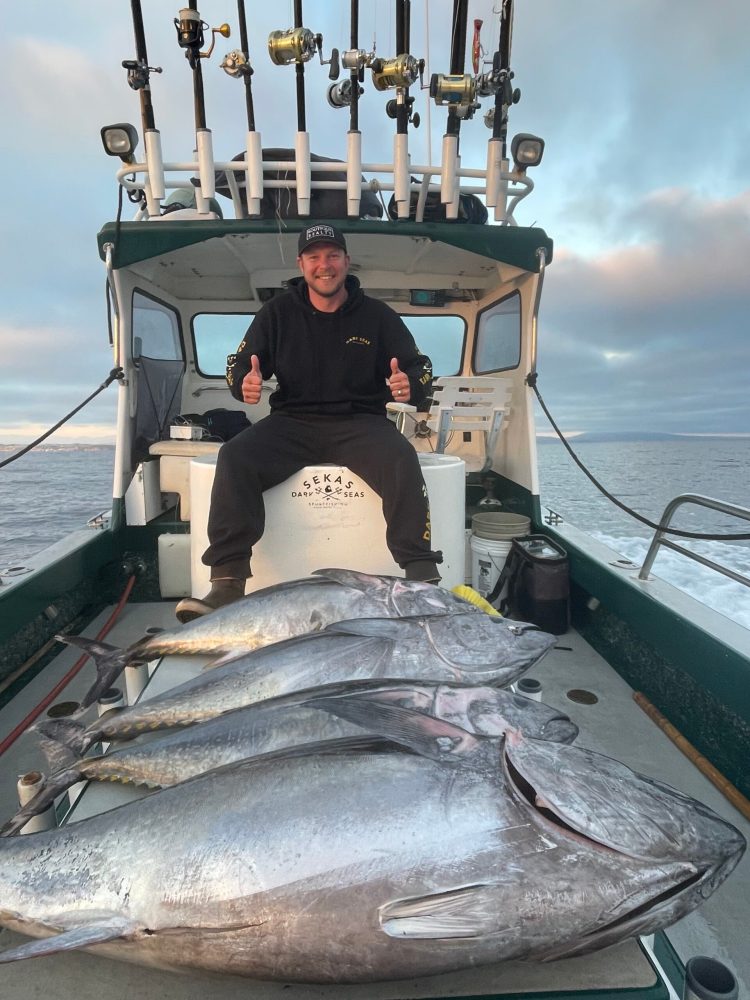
457	90
450	182
139	77
354	136
190	37
347	94
499	83
400	73
298	45
237	64
402	187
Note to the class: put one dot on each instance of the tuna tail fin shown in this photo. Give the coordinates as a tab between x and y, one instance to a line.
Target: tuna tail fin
423	734
44	798
105	928
110	662
63	741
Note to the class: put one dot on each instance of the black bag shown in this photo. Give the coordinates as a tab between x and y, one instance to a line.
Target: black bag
219	424
470	209
538	584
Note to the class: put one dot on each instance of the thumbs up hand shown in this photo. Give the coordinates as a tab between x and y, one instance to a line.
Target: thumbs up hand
252	382
399	383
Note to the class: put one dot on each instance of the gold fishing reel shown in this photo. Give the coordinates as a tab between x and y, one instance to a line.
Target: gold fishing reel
299	45
295	45
455	91
398	73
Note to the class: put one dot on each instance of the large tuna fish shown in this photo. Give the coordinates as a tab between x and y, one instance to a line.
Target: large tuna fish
279	724
472	648
276	613
359	866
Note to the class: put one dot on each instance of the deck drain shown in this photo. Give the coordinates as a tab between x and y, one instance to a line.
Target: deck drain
582	697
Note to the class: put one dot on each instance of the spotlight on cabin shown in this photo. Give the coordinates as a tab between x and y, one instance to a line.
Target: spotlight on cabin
527	151
120	140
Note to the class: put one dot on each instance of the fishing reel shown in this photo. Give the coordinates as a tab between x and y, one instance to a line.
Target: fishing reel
138	73
236	64
299	45
190	36
358	59
399	73
458	92
339	95
391	109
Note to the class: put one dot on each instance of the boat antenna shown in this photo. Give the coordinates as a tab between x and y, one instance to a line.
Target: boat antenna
298	45
237	64
190	29
139	79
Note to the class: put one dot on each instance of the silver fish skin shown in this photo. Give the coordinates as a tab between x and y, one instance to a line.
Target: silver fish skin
284	723
462	649
273	614
270	615
359	866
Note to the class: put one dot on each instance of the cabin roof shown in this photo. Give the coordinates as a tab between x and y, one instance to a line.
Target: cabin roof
142	241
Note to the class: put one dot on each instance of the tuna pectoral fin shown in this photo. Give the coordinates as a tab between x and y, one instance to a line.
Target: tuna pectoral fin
103	929
458	913
420	733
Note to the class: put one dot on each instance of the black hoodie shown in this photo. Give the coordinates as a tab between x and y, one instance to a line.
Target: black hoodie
329	363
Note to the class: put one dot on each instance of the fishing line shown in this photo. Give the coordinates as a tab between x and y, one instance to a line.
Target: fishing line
531	380
115	374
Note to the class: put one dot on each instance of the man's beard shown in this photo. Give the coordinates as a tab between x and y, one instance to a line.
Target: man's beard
326	291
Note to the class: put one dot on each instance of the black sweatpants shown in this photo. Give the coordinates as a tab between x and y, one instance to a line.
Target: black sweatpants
278	446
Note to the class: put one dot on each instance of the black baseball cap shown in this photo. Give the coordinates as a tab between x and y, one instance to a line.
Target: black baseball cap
320	233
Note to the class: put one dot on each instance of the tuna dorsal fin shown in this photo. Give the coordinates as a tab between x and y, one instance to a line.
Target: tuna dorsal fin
365	582
103	928
467	912
420	733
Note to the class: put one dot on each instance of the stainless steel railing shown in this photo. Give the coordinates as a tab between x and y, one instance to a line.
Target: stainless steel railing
659	540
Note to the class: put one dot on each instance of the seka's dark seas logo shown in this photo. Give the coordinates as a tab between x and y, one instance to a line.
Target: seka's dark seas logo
331	486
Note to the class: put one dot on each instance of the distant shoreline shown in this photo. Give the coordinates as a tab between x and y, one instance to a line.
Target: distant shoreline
584	437
604	437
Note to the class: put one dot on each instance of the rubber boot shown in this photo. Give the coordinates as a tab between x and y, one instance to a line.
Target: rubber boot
222	592
423	570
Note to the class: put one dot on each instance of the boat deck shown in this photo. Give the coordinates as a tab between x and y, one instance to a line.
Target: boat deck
614	725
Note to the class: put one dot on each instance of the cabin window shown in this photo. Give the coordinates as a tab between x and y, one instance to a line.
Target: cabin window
498	345
156	330
441	338
216	335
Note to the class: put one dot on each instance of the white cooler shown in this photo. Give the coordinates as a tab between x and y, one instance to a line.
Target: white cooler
324	515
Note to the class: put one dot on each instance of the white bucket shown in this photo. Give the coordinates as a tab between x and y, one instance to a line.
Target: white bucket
500	525
488	557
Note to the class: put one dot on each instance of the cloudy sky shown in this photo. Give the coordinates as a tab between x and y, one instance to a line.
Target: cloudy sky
645	189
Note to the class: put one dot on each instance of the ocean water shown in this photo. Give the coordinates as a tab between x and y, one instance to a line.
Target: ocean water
76	483
646	476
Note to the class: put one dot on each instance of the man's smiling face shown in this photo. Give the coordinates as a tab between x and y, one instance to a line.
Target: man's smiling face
324	267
